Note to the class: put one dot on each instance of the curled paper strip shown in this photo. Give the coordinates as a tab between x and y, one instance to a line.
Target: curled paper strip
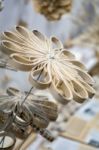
8	140
53	10
66	77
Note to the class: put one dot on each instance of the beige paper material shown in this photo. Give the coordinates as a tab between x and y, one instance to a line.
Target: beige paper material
24	145
47	59
53	10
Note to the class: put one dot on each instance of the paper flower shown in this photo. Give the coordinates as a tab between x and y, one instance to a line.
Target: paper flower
35	110
53	10
50	65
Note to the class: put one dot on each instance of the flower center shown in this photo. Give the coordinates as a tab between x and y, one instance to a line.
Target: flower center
51	55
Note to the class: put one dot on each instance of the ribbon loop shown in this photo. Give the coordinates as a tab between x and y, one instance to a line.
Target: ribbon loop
56	43
44	80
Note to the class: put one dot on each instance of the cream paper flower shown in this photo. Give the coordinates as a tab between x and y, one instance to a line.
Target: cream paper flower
47	59
35	110
53	9
18	115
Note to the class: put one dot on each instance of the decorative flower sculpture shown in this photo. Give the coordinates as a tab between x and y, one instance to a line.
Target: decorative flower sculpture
53	9
50	65
20	113
35	109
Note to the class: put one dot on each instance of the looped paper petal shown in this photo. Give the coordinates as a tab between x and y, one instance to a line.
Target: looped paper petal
47	106
50	65
13	37
86	77
22	32
41	39
21	62
9	139
9	47
39	35
22	119
67	55
77	64
55	42
61	92
44	80
79	92
89	89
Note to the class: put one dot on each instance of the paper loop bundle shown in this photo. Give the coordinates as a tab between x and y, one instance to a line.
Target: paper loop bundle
47	59
35	109
53	9
36	112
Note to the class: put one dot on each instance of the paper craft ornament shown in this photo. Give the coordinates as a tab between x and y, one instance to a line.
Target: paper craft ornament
36	112
57	67
53	9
